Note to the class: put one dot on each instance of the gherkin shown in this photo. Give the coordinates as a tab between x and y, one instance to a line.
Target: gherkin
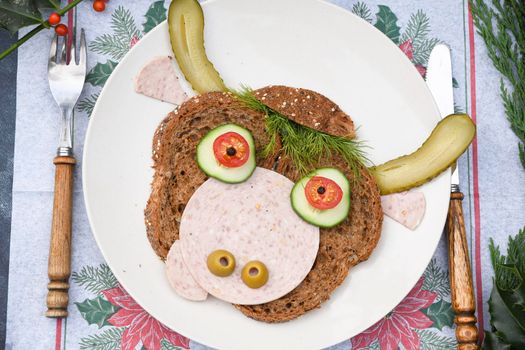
449	139
186	27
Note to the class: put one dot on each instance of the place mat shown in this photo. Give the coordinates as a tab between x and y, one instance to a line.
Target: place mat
102	316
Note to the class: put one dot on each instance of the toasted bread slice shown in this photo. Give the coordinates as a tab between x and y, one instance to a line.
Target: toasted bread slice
177	176
308	108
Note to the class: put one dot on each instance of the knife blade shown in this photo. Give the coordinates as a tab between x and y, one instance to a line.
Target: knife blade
439	81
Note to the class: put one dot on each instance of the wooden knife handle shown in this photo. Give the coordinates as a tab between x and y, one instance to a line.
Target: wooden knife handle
59	266
462	291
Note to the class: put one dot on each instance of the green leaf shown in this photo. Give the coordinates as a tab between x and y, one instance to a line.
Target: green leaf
98	75
155	15
507	317
48	4
94	279
106	340
387	23
96	311
15	14
493	342
440	313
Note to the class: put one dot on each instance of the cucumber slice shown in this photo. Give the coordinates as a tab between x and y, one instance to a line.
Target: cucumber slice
449	139
209	164
322	218
186	27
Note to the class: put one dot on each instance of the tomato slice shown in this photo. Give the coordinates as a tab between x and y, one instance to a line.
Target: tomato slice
323	193
231	150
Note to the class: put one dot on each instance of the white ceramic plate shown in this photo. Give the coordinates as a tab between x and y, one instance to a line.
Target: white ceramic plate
303	43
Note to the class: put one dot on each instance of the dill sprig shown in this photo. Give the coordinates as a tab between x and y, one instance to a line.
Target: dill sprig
304	146
501	24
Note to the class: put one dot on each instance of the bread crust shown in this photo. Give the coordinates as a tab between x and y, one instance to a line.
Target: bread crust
308	108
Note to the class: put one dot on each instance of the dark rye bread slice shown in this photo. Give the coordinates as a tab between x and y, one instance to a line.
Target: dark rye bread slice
177	174
177	177
308	108
340	248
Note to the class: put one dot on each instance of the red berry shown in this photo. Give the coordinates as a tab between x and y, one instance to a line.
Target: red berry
99	5
61	30
54	19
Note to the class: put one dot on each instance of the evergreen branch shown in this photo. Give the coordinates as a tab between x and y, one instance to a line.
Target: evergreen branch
106	340
436	280
422	50
166	345
501	25
111	45
417	28
95	279
361	9
86	105
123	25
432	341
509	270
304	146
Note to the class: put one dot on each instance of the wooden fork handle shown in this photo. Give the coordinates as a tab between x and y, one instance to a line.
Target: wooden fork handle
59	265
462	291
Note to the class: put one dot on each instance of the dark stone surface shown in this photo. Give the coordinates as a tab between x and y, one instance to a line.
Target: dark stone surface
7	140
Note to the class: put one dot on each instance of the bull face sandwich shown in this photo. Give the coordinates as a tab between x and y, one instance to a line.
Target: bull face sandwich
264	198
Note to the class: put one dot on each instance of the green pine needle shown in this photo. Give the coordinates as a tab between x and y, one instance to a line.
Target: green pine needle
88	104
304	146
109	339
501	25
436	280
430	340
361	9
509	270
95	279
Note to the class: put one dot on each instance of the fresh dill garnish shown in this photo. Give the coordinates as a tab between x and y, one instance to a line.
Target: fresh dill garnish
304	146
501	24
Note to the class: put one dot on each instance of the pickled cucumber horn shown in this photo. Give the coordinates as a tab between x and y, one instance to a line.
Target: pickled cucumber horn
447	142
186	27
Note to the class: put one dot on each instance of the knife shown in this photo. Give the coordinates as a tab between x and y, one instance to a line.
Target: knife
439	81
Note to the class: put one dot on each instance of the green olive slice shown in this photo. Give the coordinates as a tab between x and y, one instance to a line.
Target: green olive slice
221	263
254	274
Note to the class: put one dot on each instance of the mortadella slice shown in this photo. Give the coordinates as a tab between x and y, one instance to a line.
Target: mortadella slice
180	277
254	221
158	79
407	208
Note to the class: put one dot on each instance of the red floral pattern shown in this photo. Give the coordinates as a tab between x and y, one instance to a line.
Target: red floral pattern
133	41
398	326
141	327
408	49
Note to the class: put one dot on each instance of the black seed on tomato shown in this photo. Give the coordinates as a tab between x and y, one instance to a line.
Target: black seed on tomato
231	151
321	190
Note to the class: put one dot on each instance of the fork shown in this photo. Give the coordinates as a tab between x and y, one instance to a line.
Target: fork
66	79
